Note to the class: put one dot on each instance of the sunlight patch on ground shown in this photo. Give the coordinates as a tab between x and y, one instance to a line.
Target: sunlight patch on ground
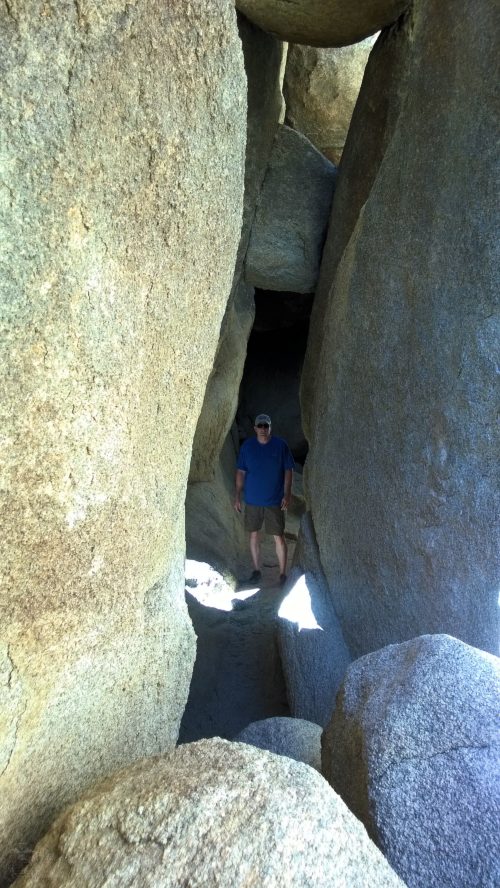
297	608
210	588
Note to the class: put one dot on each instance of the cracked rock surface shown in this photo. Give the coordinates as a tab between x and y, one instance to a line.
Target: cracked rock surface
413	749
211	813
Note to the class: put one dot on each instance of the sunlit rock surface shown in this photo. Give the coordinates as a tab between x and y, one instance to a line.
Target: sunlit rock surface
402	474
294	737
312	648
211	815
322	22
414	750
289	227
320	89
113	297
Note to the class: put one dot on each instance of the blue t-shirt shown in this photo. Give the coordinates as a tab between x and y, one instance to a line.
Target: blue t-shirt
265	466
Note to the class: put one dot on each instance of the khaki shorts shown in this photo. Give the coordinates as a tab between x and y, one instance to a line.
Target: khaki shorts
273	516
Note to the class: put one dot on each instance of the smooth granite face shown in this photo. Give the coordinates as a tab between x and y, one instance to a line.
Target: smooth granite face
402	475
413	748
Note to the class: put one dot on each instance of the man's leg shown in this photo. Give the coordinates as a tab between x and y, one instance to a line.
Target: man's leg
255	549
281	552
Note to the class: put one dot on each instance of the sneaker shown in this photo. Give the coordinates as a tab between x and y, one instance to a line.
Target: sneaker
253	578
282	579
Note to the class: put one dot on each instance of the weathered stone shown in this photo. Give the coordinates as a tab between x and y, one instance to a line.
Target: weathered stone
212	815
263	58
320	89
312	648
322	22
402	474
294	737
289	227
214	531
113	298
414	750
221	395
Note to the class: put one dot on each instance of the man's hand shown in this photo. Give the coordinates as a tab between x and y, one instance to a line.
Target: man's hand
237	504
285	502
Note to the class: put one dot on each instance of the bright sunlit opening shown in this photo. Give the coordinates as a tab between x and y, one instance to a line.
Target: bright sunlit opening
210	588
297	608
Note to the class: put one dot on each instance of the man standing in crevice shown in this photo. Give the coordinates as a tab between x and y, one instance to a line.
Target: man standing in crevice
264	475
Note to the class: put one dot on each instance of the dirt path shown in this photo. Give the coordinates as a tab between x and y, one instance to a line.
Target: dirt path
237	677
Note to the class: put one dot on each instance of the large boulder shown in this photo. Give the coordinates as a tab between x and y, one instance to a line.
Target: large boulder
320	89
289	227
413	748
322	22
211	815
402	474
114	293
313	652
294	737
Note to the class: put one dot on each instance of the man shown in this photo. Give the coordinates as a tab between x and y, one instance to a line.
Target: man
264	471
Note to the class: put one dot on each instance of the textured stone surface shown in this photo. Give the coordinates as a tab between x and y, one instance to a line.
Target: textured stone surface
406	513
114	292
212	815
294	737
414	750
320	89
312	648
322	22
263	59
289	227
214	531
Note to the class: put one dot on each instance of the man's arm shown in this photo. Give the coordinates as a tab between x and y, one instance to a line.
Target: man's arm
285	502
239	482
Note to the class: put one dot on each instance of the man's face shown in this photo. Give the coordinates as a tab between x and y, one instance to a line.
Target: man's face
263	431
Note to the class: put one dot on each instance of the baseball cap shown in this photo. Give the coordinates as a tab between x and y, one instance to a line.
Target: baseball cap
262	417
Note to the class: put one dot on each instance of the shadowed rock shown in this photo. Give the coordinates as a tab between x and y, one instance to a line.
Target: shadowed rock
322	22
413	748
293	737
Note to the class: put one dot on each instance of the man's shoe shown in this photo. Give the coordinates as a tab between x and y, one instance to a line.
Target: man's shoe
253	578
282	579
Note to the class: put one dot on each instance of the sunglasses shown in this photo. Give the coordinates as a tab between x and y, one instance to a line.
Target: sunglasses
262	425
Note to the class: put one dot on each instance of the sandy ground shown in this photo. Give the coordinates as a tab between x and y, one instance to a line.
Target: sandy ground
237	677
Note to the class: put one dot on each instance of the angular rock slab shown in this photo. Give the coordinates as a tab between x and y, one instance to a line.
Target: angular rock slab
320	89
322	22
211	814
313	651
115	290
295	738
414	749
402	473
289	227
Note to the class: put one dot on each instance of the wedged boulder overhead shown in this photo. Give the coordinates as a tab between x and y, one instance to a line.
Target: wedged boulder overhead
320	89
114	294
289	227
211	814
413	748
401	476
263	59
322	22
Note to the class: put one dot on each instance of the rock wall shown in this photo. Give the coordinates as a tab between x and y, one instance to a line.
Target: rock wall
401	477
124	133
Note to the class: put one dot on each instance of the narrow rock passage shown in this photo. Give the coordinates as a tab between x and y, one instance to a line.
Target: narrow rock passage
237	677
